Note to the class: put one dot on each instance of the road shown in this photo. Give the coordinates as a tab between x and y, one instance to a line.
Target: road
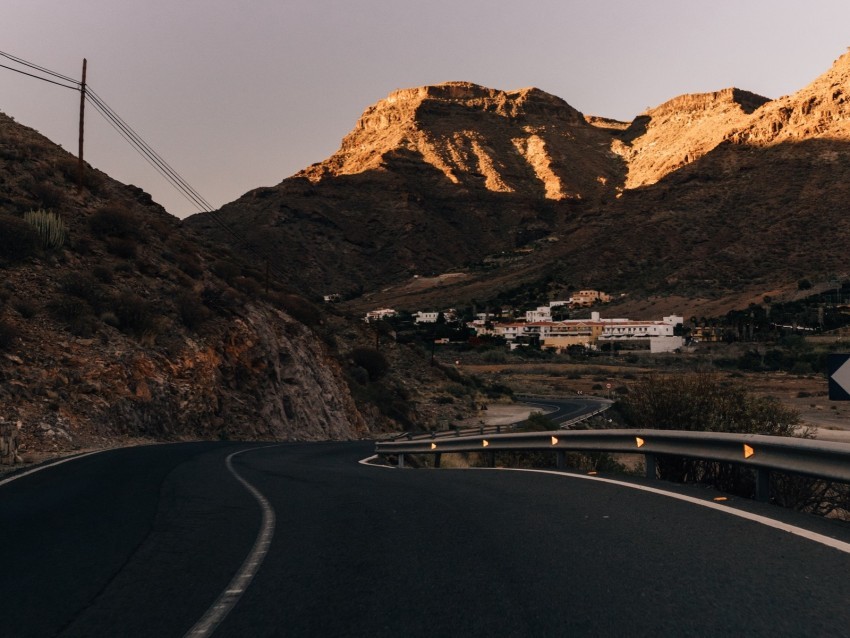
560	410
142	541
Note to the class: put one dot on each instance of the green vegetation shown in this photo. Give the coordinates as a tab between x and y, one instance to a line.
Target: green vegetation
49	226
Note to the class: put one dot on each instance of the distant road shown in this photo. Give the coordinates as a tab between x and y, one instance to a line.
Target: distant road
560	410
143	541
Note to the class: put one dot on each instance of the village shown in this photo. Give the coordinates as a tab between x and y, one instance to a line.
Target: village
549	327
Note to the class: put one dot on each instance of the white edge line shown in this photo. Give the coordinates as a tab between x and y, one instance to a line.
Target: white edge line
822	539
228	598
368	461
53	464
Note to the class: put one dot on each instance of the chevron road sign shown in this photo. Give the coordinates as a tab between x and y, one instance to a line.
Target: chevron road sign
839	377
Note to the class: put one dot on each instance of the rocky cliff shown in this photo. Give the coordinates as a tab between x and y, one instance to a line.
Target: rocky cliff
525	141
118	322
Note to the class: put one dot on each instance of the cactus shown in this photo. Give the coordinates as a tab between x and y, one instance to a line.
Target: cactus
49	226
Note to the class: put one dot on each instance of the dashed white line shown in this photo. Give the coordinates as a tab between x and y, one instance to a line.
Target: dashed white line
236	587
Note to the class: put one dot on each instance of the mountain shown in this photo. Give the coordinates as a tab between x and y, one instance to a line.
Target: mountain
709	196
430	178
116	322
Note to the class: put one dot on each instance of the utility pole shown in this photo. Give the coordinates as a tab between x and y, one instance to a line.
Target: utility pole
82	123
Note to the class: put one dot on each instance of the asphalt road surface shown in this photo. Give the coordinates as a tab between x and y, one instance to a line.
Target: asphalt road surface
560	410
144	541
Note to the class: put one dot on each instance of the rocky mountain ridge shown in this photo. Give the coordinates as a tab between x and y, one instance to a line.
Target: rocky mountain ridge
705	195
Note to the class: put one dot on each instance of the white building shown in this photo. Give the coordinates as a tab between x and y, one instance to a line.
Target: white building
380	313
426	317
542	313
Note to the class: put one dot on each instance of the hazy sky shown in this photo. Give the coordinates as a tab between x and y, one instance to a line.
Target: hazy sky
236	95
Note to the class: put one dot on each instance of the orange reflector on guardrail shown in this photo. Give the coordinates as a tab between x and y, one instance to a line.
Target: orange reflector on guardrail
640	442
554	440
433	446
748	451
485	442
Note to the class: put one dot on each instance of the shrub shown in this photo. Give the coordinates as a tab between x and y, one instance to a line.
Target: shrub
375	364
114	221
75	313
701	402
192	312
102	274
189	263
227	270
68	308
300	309
539	422
18	240
48	196
84	287
49	226
135	315
121	247
26	308
8	334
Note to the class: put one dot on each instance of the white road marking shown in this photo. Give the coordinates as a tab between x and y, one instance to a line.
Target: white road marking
49	465
236	587
757	518
368	461
841	546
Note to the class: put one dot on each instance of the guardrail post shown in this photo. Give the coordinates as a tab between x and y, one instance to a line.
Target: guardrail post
491	459
763	484
561	459
498	429
437	456
481	429
651	466
457	430
401	459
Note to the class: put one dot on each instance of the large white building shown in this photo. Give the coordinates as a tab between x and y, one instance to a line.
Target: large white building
559	335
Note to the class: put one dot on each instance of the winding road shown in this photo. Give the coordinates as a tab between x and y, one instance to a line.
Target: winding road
148	541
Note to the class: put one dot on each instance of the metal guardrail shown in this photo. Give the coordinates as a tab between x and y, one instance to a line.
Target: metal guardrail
492	429
818	459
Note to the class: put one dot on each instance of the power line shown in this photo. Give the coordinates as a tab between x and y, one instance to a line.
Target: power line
75	88
37	67
153	158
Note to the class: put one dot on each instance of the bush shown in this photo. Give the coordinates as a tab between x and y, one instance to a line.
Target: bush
122	247
18	240
47	195
68	308
299	308
190	264
84	287
8	334
701	402
26	308
135	315
102	274
372	361
114	221
49	226
192	312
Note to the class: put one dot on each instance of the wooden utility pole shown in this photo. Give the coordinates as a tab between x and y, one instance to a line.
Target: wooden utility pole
80	167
